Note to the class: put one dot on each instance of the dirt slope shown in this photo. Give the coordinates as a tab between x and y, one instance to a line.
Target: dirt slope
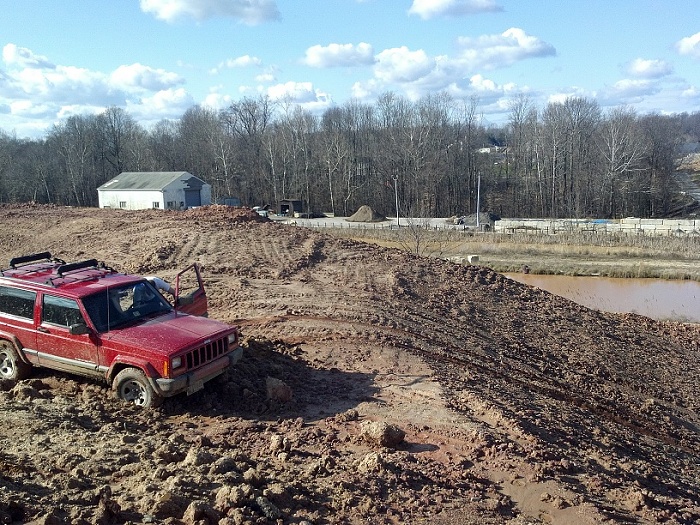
517	406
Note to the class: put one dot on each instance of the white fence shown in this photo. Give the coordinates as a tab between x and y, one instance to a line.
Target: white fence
631	226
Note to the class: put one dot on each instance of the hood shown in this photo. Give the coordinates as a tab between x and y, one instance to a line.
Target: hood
168	334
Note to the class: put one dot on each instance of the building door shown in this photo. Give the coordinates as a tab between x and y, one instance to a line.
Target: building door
192	198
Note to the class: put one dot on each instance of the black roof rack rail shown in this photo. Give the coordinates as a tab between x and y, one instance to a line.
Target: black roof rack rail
29	258
71	267
64	269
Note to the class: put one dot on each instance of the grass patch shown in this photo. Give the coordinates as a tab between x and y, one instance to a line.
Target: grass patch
570	253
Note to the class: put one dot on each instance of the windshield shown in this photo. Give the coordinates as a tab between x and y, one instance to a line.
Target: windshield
125	304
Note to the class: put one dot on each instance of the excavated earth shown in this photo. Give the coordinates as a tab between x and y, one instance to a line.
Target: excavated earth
376	387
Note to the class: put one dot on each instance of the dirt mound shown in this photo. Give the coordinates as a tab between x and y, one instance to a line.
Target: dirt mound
366	214
218	212
514	406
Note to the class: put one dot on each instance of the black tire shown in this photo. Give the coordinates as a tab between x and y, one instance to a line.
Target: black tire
132	386
11	366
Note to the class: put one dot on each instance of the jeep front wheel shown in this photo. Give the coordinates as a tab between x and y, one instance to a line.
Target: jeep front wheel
11	366
132	386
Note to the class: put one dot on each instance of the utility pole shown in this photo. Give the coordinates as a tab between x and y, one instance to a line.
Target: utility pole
478	199
396	196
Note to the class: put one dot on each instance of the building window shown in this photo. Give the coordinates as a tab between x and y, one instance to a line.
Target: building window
122	204
156	205
170	205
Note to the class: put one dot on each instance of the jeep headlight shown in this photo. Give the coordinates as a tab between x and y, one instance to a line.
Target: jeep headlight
176	362
232	338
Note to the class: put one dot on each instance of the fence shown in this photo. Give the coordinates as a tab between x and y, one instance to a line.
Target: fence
629	226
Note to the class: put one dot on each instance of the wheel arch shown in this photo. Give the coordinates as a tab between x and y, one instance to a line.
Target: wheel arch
122	363
12	339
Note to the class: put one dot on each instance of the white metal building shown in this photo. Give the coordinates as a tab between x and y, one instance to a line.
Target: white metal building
165	190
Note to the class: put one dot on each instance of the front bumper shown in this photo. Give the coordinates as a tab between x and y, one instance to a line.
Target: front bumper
193	381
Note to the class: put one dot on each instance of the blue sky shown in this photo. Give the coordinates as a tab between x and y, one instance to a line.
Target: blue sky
156	58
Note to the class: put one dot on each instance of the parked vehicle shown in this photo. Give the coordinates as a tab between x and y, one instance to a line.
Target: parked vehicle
88	319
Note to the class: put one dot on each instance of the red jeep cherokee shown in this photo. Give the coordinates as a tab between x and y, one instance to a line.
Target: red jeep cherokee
88	319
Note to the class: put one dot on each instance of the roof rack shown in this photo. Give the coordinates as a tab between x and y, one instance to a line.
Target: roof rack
20	265
29	258
74	268
71	267
59	272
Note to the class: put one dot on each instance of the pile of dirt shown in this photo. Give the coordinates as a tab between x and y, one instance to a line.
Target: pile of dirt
376	387
224	213
366	214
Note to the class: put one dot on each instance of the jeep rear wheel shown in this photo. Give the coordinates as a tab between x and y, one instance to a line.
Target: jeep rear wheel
11	366
132	386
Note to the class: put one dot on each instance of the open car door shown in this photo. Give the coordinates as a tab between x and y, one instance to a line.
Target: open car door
190	297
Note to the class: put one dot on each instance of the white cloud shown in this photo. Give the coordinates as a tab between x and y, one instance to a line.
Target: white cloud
217	100
265	78
416	73
61	84
140	76
402	65
334	55
628	91
642	68
167	103
365	90
22	57
427	9
251	12
493	51
689	46
73	110
295	91
37	93
634	88
563	96
235	63
480	83
692	93
301	93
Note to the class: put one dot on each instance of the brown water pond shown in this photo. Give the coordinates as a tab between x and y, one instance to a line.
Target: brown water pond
656	298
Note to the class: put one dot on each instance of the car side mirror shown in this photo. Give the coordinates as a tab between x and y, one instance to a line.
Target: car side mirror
79	329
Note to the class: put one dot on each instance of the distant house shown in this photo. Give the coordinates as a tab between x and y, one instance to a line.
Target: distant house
166	190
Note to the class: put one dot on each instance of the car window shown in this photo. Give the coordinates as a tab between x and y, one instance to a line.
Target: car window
124	304
60	311
17	302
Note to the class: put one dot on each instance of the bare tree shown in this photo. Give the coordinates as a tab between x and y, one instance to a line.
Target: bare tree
622	148
73	141
247	122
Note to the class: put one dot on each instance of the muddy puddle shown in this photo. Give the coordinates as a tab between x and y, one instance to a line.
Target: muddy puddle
656	298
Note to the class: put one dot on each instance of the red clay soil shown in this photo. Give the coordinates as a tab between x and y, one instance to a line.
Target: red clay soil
515	406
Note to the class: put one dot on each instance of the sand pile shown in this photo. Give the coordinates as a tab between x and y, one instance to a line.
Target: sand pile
366	214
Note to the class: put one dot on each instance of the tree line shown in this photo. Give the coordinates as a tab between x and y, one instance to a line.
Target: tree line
436	156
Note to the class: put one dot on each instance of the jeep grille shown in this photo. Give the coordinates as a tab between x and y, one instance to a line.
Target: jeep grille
206	353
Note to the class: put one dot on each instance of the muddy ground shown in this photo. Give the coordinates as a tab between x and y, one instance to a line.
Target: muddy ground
515	406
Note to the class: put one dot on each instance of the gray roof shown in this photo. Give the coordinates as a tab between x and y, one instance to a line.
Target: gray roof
149	180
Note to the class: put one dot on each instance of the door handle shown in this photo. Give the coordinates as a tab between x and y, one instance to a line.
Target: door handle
42	329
